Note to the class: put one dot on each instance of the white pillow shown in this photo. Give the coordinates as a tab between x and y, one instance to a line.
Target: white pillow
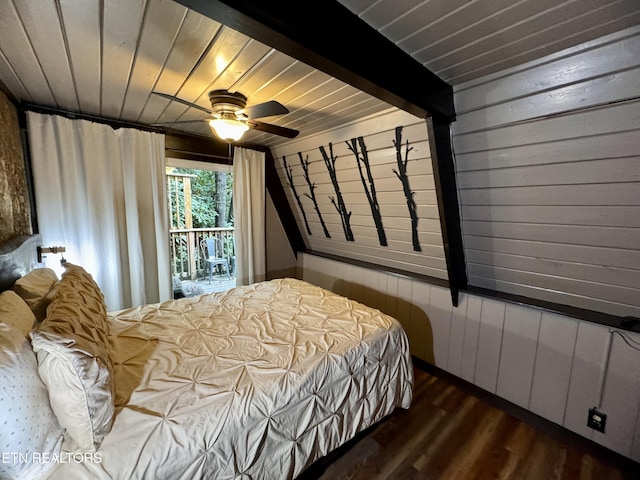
73	360
29	430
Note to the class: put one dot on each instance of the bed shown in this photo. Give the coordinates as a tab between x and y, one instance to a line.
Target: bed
255	383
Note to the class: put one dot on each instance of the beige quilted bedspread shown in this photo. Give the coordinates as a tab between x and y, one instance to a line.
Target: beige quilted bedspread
255	383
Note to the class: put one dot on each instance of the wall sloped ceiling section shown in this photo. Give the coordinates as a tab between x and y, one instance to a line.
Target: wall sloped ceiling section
366	191
548	167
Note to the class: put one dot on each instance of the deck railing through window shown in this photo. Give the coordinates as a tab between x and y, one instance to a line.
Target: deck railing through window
186	252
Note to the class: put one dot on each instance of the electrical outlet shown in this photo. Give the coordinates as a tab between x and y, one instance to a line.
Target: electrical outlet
597	420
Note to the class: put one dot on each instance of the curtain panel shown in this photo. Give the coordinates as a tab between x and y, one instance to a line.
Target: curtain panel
101	193
249	215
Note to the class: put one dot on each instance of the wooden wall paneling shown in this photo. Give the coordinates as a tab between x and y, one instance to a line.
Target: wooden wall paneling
552	373
422	336
120	35
309	272
191	43
621	399
11	85
611	237
382	291
369	282
379	134
584	387
391	303
24	66
489	343
585	195
551	148
635	446
609	277
518	355
573	149
357	278
440	312
606	256
579	95
606	120
372	286
457	336
620	216
471	334
343	279
593	59
48	40
154	46
85	50
604	169
404	310
283	207
594	289
512	283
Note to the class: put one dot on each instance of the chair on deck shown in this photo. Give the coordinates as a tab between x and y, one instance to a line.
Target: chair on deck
212	252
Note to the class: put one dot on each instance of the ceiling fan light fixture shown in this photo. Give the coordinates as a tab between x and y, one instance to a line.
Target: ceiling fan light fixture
228	129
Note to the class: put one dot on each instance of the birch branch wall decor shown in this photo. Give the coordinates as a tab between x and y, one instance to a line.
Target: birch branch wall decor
304	162
288	170
384	199
345	216
401	173
362	158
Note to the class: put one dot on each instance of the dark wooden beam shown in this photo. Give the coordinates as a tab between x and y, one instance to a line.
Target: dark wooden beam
197	148
327	36
444	175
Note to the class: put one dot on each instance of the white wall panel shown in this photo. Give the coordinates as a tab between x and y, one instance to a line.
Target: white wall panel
584	387
403	308
439	313
622	383
518	356
457	336
554	358
471	333
489	342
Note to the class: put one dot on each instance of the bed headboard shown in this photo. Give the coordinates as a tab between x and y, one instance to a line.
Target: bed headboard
17	257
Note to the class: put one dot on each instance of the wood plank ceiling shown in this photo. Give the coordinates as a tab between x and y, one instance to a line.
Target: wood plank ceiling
104	58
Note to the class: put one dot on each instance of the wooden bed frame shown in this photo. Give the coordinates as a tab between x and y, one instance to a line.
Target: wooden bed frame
18	256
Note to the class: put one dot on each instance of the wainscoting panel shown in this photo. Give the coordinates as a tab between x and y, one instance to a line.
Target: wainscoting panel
471	332
552	372
518	355
489	341
621	383
586	376
550	364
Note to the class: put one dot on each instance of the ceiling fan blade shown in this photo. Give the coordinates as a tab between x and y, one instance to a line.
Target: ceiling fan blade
184	102
275	129
266	109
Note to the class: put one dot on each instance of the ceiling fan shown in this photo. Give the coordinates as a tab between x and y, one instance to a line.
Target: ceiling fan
231	118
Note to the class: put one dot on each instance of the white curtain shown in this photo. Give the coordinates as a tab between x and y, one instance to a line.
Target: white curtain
100	193
248	215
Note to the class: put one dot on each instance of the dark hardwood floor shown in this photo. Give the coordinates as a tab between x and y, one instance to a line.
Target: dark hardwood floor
450	433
